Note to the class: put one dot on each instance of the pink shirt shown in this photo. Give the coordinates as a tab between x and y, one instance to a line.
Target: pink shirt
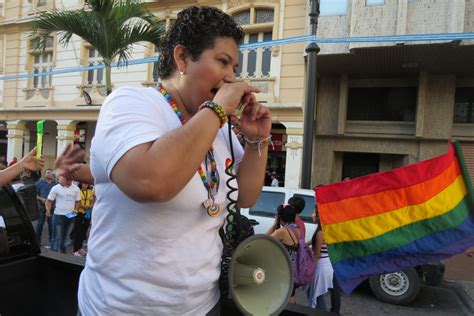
300	224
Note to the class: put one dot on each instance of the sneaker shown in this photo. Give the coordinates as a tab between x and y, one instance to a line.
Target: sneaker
77	254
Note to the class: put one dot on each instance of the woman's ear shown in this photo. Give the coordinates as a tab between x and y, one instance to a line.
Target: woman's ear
180	55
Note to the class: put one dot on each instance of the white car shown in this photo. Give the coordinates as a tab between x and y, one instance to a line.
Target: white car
264	211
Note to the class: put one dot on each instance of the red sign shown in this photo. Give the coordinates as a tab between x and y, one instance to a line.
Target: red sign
277	140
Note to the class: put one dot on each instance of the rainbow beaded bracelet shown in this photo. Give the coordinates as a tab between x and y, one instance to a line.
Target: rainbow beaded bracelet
217	109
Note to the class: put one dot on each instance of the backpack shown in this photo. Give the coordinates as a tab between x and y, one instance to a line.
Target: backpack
303	264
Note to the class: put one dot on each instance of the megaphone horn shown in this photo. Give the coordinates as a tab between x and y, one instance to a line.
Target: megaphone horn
260	276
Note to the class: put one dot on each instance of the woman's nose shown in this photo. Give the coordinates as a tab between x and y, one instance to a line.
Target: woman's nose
230	77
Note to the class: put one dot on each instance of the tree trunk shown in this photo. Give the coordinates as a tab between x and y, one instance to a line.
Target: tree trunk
108	79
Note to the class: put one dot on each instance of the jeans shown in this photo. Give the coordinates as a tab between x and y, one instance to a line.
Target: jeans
40	224
81	224
61	229
335	298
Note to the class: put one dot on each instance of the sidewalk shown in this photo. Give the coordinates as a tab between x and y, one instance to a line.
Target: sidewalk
464	290
459	277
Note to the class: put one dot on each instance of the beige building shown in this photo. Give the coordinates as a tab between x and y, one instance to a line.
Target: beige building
59	98
379	106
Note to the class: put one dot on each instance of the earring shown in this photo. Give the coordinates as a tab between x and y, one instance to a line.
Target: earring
181	72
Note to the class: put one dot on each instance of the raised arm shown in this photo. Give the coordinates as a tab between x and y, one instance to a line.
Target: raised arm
29	162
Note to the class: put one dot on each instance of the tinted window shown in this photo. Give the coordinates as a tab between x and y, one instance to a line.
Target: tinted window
382	104
267	203
356	165
464	105
16	233
308	208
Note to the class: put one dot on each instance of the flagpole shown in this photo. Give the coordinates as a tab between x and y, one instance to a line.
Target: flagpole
464	172
312	51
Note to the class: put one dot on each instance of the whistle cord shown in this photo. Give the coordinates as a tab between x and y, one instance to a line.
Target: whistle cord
237	227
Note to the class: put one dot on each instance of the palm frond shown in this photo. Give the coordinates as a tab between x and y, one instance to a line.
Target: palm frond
110	26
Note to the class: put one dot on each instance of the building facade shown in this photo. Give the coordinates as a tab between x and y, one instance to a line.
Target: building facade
385	105
60	98
379	105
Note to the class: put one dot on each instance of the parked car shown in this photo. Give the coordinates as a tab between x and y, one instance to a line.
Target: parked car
398	288
262	214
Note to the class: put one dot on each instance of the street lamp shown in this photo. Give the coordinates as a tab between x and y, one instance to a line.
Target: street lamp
312	51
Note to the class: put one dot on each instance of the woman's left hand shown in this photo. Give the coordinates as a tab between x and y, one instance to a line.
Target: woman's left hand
29	162
256	121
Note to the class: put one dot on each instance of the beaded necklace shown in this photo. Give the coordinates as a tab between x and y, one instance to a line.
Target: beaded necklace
212	186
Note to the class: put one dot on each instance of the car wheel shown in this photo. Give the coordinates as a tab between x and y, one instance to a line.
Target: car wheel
398	288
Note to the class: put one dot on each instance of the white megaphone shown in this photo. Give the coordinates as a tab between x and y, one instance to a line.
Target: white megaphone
260	276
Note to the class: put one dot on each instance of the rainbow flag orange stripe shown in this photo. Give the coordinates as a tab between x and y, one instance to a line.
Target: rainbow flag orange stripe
405	217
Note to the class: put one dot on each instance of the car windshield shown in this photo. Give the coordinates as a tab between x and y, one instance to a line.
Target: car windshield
267	203
308	208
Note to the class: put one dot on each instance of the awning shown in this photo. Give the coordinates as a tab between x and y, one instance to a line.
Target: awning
447	58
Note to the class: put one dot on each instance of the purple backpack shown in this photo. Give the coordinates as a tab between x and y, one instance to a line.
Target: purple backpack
303	265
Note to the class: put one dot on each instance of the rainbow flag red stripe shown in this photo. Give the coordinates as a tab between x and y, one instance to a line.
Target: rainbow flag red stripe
392	220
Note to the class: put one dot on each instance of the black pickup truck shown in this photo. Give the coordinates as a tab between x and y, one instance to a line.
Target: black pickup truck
32	282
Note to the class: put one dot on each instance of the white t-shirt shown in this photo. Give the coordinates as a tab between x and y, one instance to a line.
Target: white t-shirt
275	182
150	258
65	198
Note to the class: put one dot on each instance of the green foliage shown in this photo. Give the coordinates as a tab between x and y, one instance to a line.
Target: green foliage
110	26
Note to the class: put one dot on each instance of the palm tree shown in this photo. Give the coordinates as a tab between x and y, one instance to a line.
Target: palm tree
110	26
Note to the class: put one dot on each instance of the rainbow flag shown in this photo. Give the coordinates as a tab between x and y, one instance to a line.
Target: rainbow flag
392	220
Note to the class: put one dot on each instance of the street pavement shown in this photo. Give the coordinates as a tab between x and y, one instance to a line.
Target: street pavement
431	301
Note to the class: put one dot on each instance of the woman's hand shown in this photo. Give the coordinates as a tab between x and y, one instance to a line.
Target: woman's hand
230	95
29	162
69	161
256	121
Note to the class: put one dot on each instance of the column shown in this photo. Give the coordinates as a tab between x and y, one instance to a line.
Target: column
15	139
294	154
65	136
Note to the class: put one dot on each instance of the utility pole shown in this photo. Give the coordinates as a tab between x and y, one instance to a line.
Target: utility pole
312	51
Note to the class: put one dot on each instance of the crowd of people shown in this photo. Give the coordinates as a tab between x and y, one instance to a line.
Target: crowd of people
290	230
66	206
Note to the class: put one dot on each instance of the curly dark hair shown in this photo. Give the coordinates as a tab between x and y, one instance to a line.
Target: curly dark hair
196	28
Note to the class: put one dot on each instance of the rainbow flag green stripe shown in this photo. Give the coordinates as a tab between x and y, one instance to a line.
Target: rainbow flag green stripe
401	218
400	236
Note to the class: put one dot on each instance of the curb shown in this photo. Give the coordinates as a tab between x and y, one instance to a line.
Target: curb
461	290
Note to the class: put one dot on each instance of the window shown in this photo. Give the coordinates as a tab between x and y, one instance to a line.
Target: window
307	213
15	233
42	63
332	7
356	165
382	104
374	2
258	26
95	76
464	105
267	204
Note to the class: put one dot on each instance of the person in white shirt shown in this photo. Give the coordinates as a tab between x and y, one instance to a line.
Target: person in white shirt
67	197
158	158
275	182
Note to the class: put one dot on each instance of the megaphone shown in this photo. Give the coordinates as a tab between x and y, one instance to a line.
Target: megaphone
260	276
